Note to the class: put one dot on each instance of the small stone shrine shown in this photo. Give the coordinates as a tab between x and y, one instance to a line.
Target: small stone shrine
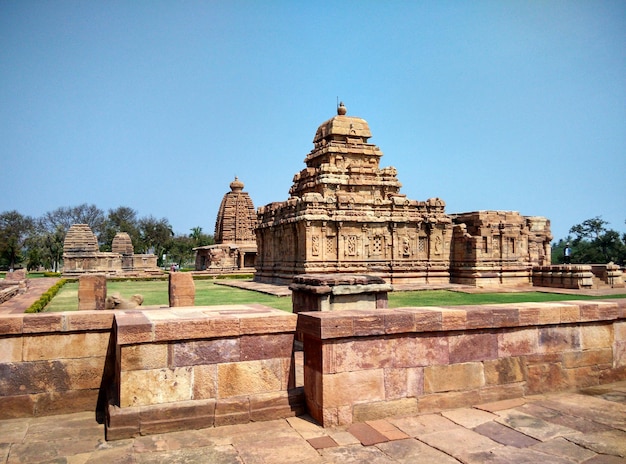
346	214
235	244
81	255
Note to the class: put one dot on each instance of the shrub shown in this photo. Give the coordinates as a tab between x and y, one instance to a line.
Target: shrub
46	297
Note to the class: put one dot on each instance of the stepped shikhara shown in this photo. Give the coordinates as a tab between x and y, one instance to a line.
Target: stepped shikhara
235	243
346	214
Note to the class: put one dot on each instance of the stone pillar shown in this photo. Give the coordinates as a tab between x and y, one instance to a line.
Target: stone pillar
182	291
92	292
333	292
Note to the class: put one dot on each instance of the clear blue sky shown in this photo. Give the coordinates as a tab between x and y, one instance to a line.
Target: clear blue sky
157	105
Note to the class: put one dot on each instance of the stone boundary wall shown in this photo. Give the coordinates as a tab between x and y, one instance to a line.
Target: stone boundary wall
8	292
148	371
52	363
365	365
195	367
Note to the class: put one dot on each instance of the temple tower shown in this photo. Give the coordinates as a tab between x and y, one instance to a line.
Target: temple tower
235	243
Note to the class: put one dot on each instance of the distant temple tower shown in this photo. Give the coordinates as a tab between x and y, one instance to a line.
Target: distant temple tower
235	242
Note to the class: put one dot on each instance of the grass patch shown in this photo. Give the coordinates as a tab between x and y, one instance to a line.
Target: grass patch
450	298
209	294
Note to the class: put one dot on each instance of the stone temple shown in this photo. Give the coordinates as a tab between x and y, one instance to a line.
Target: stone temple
235	243
346	214
81	255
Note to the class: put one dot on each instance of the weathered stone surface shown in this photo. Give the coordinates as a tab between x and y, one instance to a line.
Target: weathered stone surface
453	377
65	346
137	388
473	347
138	357
347	388
383	409
10	349
92	292
245	378
504	370
182	291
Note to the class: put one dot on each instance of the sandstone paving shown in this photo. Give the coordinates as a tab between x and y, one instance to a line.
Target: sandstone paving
532	426
527	433
564	448
468	417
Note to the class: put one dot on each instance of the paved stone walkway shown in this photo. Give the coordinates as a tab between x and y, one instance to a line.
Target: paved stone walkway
586	427
19	303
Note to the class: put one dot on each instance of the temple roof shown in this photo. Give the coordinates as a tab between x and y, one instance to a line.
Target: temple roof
341	126
236	218
80	238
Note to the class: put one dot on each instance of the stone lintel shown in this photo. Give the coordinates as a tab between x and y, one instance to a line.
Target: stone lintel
345	324
200	322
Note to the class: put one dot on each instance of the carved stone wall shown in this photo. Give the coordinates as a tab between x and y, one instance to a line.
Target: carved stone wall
346	214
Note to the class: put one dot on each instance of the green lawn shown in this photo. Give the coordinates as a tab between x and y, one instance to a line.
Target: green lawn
209	294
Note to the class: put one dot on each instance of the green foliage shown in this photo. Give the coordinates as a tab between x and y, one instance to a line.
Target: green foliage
594	243
46	297
14	231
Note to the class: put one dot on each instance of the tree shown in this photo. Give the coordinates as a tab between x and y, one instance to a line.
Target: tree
155	236
63	218
14	230
199	239
121	219
180	250
595	243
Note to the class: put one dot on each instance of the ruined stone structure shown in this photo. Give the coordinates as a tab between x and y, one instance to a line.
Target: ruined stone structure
346	214
81	255
235	243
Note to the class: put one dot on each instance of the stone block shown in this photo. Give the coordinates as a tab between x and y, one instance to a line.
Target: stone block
14	406
88	320
36	323
415	382
596	336
347	388
453	377
507	391
133	327
453	319
10	349
503	371
479	318
558	339
592	357
357	355
92	292
249	377
32	377
267	321
546	377
382	409
121	422
395	383
398	322
368	324
137	387
450	400
182	290
275	405
598	310
473	346
419	350
11	324
65	346
219	350
65	402
254	347
145	356
204	381
84	373
230	411
518	342
172	417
